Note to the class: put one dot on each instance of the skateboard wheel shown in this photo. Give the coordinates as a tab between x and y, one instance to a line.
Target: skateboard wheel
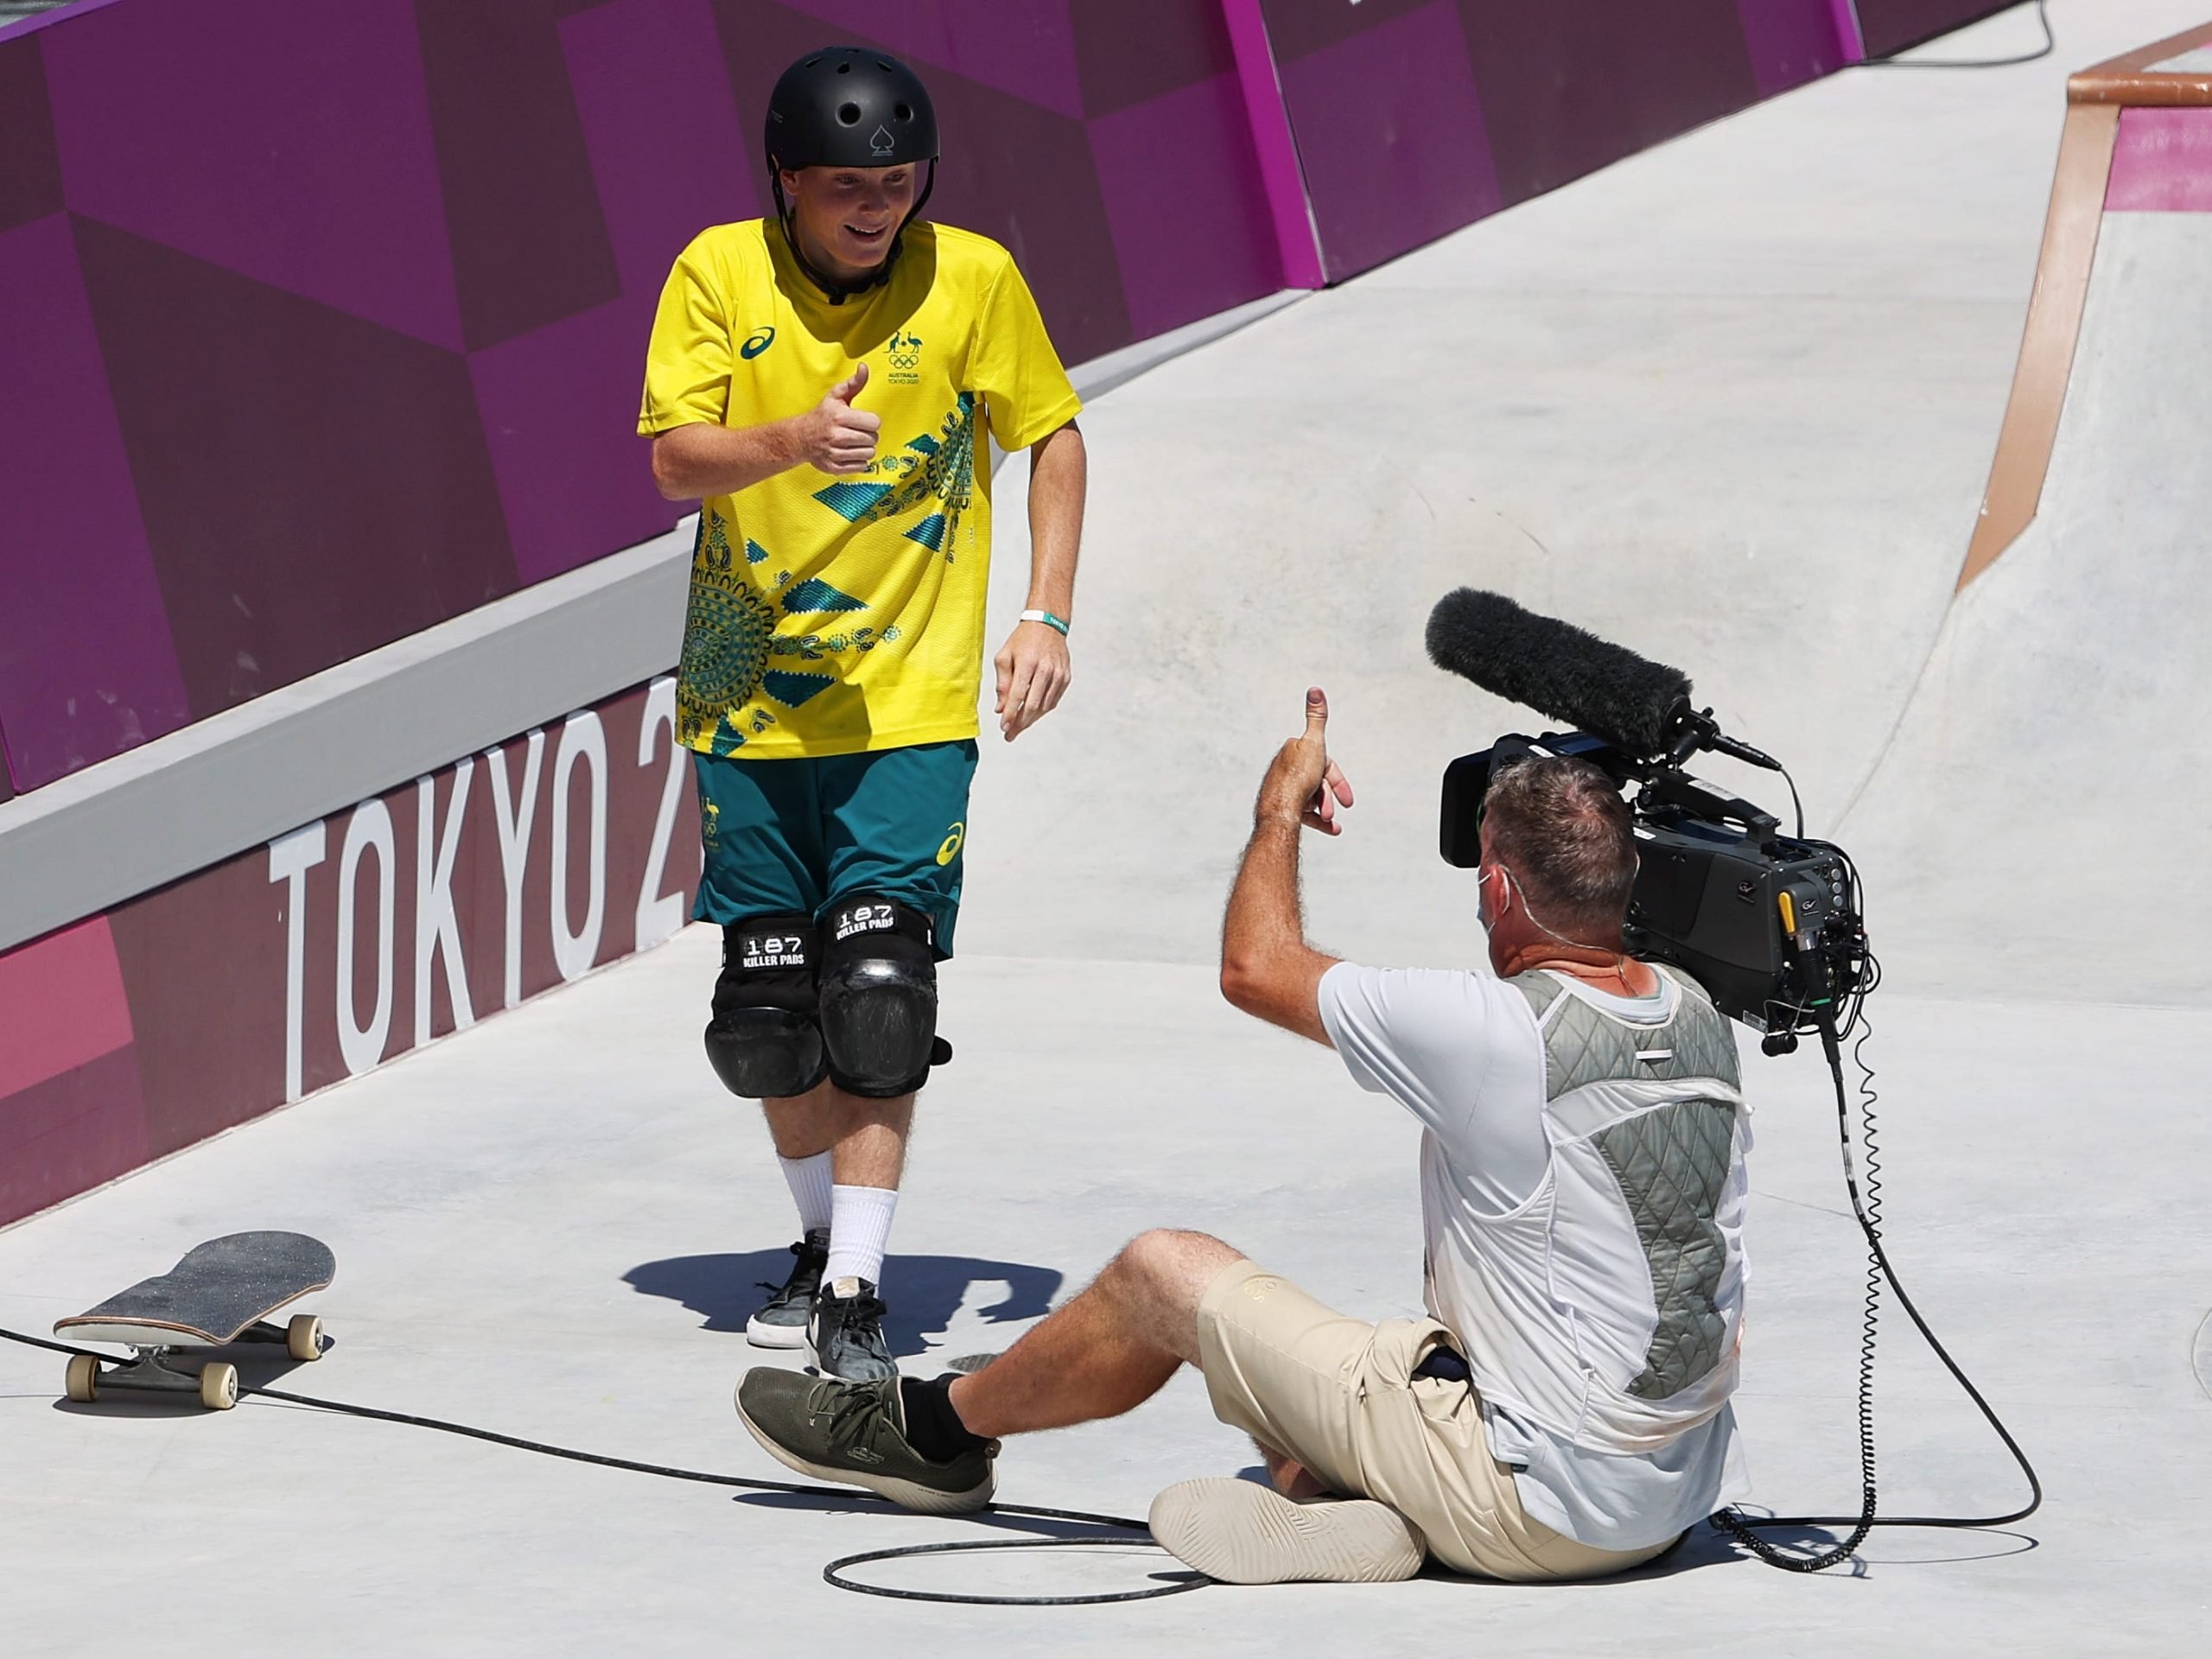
303	1336
84	1382
219	1386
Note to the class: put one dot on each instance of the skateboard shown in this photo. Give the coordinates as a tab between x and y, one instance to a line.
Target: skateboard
222	1293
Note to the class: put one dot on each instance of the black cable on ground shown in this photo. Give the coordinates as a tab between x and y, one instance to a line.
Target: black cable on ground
831	1573
1743	1528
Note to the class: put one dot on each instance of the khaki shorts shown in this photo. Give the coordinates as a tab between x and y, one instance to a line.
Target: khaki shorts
1339	1397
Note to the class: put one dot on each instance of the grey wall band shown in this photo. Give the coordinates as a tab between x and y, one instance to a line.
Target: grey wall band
192	799
195	796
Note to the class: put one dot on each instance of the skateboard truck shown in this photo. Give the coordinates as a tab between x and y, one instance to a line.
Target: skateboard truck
220	1294
216	1383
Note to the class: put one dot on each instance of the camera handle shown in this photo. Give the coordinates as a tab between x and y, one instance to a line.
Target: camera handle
1670	787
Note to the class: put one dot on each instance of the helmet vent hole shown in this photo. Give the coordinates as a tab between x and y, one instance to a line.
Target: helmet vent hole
881	65
848	114
902	111
844	68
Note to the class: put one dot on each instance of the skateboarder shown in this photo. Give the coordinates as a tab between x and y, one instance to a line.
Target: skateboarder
826	383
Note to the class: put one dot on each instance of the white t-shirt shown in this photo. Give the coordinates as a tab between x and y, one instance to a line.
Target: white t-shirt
1461	1050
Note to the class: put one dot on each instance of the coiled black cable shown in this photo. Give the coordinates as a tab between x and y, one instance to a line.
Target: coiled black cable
1743	1528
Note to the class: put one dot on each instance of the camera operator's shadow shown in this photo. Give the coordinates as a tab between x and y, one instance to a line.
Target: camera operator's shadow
924	1293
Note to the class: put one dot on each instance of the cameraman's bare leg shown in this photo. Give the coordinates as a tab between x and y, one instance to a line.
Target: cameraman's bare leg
1107	1351
866	1139
1289	1476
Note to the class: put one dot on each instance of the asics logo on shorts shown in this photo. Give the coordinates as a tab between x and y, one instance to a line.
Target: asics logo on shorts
951	849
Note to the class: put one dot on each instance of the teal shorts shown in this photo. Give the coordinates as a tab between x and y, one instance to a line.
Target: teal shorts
791	837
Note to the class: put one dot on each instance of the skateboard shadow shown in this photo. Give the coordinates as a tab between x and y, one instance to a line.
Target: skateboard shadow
923	1294
259	1366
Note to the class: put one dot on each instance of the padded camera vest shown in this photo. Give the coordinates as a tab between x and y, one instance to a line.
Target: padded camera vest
1608	1305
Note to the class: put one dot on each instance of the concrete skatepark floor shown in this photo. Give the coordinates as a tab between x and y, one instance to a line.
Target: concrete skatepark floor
1731	402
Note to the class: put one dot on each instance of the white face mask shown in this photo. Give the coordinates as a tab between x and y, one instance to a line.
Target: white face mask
1489	918
1485	913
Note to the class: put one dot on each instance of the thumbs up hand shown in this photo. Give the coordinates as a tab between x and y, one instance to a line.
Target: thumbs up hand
1304	785
834	435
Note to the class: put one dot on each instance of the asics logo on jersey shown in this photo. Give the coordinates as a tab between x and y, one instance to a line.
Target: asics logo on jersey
759	341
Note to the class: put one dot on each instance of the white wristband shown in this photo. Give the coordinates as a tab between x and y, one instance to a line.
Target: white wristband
1059	623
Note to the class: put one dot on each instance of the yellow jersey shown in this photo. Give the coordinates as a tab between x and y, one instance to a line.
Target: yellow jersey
830	614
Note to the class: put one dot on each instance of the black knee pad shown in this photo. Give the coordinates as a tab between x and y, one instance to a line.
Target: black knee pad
763	1042
878	985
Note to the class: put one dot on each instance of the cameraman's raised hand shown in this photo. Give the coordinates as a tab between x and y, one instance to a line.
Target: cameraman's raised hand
1304	785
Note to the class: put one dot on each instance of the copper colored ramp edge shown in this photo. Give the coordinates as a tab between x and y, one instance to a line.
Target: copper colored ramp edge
2095	99
2069	247
2129	78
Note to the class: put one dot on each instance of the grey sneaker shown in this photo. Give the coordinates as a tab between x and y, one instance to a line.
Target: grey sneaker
846	1334
1240	1532
781	1323
855	1433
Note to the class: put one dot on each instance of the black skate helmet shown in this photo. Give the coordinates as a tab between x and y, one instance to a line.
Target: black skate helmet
849	107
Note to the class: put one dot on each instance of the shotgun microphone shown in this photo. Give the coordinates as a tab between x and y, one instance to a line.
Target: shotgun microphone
1569	673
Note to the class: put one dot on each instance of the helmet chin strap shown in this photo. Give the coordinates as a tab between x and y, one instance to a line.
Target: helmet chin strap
833	290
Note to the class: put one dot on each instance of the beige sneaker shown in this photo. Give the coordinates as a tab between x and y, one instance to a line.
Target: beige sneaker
1240	1532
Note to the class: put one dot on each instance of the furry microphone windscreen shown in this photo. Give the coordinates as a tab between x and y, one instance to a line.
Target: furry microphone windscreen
1557	668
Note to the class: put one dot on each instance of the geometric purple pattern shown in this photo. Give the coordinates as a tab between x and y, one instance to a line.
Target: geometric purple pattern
1569	88
1204	245
246	135
1416	116
513	168
313	485
1891	26
30	171
1789	45
1023	48
87	665
326	319
1391	129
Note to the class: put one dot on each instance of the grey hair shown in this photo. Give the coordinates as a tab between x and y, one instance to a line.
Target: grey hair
1560	826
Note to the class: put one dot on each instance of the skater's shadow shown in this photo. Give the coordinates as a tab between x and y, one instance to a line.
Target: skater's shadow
922	1293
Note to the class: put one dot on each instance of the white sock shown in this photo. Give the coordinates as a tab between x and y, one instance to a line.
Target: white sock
860	1229
810	1181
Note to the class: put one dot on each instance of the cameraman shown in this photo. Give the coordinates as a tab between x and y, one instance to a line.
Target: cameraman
1563	1414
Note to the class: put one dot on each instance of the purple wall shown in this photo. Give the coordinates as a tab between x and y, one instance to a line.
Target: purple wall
344	944
1893	25
1416	117
325	318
